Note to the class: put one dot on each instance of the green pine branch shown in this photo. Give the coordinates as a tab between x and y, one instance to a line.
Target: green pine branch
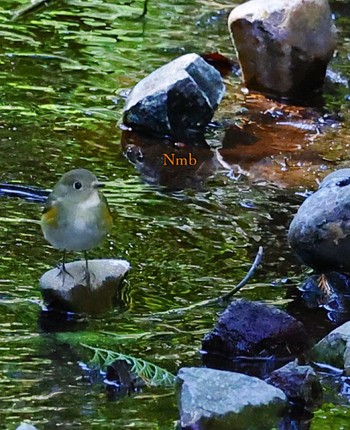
151	374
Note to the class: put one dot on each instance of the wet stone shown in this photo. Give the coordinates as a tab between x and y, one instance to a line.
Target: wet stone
175	99
334	349
216	399
70	291
300	384
320	231
283	46
120	381
247	330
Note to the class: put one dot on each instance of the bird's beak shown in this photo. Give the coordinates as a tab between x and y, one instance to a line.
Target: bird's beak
98	185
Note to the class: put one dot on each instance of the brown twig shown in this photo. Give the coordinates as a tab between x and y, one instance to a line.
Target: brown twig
29	8
145	8
224	297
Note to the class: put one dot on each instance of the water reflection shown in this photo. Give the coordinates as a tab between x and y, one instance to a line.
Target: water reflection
172	165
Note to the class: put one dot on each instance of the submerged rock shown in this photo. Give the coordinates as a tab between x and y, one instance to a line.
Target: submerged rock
334	349
70	292
216	399
120	381
176	98
283	46
320	231
247	330
300	384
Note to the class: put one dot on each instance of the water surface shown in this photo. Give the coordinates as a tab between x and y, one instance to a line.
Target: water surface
65	70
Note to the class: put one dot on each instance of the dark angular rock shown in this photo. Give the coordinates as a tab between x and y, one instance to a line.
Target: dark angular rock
283	46
176	98
320	231
214	400
299	383
250	329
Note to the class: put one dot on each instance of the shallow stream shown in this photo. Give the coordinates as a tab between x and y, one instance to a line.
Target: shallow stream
64	72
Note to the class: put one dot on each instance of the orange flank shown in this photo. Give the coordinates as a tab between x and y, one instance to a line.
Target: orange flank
50	215
107	217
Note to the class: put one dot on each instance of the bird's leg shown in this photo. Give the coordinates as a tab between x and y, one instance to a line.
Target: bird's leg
62	269
87	273
62	266
324	285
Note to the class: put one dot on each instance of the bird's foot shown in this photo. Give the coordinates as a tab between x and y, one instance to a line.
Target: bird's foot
63	271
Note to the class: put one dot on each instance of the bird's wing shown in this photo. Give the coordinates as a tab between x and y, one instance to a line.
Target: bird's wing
49	214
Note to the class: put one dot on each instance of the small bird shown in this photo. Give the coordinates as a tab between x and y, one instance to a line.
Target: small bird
320	231
76	216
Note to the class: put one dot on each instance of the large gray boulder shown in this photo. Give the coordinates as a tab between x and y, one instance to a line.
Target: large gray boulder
334	349
71	292
176	98
283	46
320	231
215	399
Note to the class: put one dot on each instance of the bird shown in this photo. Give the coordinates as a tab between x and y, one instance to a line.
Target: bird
76	216
320	231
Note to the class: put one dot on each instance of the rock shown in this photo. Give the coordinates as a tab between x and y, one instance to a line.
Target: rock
69	292
283	46
120	381
247	330
334	349
216	399
320	231
26	426
300	384
176	98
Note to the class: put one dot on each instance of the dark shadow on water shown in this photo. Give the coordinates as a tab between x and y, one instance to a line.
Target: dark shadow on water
53	321
260	367
172	165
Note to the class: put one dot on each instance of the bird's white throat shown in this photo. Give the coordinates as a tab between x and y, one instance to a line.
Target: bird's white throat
92	201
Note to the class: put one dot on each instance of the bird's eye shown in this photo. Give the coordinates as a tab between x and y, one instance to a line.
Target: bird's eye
77	185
